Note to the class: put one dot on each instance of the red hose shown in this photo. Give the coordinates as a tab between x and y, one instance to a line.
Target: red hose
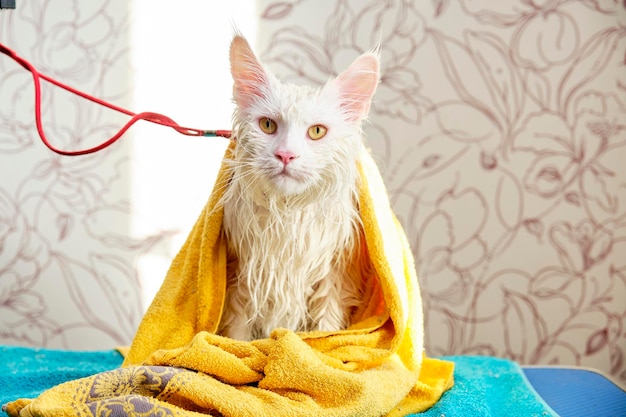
135	117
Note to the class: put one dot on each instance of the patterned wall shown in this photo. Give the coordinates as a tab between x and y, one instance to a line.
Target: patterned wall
86	241
67	275
500	128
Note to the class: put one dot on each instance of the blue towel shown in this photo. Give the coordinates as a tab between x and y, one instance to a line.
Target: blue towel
489	387
483	386
27	372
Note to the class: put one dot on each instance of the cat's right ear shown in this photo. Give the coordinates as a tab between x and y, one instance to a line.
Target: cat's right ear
250	79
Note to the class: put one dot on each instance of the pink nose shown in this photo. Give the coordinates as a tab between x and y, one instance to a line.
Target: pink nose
285	156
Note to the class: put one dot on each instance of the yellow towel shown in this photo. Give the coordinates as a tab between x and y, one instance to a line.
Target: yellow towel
177	365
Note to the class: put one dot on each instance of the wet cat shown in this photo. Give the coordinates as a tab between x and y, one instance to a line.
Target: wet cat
291	210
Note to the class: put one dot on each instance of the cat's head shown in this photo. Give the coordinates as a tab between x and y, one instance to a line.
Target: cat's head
295	139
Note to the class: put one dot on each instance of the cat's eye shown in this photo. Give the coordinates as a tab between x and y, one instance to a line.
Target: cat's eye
317	132
267	125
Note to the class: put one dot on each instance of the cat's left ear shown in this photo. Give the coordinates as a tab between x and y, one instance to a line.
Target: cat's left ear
356	86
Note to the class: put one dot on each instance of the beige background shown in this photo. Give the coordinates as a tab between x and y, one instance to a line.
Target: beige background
499	128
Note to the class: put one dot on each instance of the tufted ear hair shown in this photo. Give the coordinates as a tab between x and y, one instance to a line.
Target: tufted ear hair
356	86
250	79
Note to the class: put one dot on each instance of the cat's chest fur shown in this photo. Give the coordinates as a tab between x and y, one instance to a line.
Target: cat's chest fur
290	267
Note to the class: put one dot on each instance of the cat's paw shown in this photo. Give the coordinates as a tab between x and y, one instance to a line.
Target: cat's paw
242	333
331	323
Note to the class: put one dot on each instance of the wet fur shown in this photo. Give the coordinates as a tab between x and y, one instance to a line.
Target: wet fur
294	233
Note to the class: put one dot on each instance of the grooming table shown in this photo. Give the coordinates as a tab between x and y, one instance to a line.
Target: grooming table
484	386
577	392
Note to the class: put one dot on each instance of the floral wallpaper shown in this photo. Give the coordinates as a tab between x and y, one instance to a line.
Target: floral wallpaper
67	273
500	128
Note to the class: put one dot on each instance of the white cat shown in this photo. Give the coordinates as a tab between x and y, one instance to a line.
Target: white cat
291	217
